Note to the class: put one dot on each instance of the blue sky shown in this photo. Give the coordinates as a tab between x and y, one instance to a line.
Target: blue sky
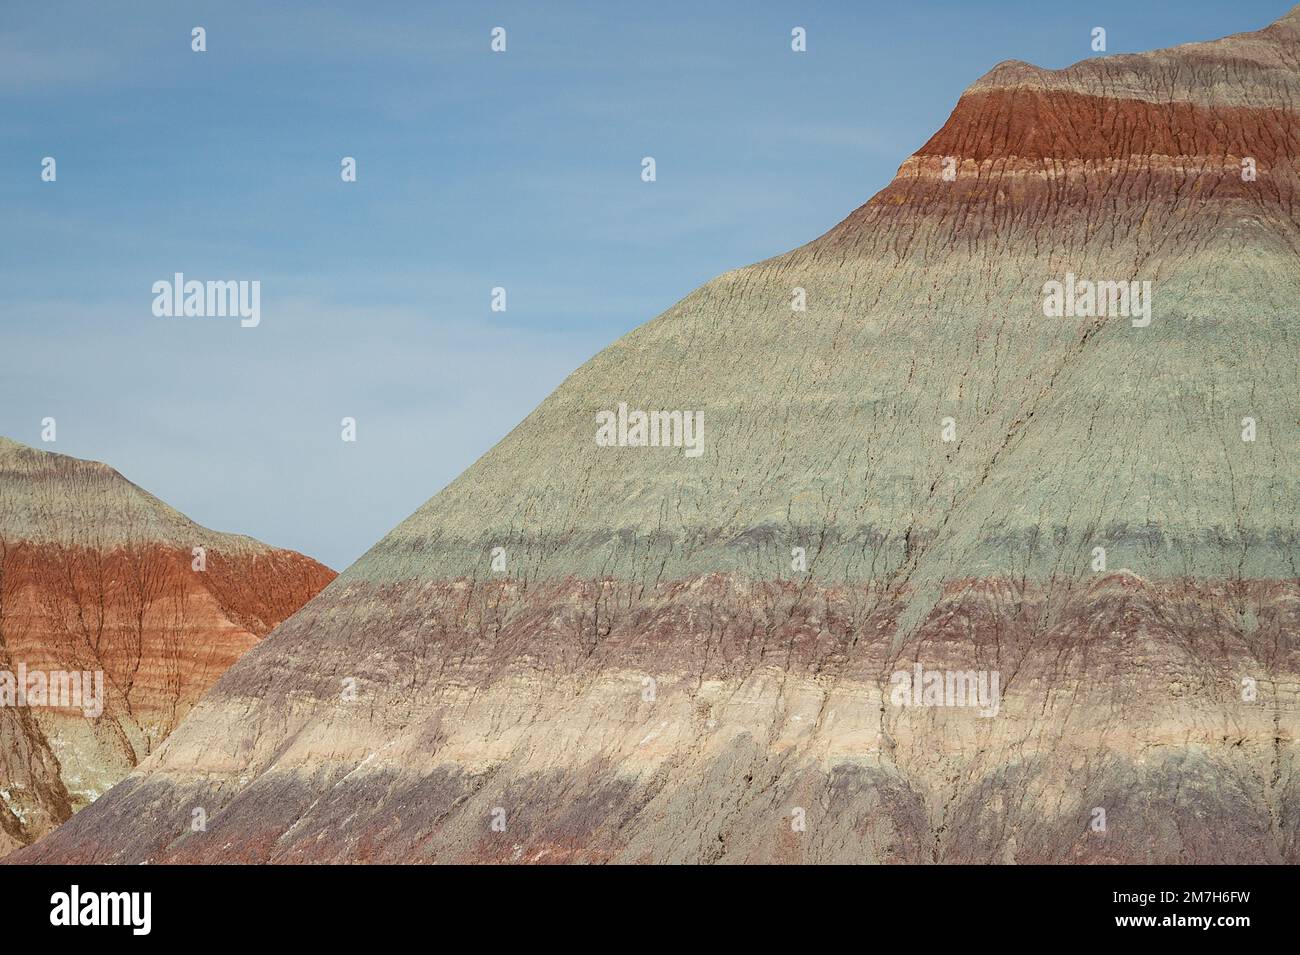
474	170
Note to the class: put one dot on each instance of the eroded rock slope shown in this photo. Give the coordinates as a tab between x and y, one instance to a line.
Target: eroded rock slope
100	577
649	670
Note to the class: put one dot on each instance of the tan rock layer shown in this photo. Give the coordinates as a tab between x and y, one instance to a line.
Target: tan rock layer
767	698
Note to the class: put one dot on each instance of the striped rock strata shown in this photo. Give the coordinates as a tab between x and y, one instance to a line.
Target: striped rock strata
579	652
98	576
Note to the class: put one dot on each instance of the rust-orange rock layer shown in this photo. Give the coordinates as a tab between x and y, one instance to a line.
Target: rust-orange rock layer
124	598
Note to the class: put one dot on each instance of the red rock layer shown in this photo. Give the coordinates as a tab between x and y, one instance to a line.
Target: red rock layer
1025	161
1065	126
75	599
161	631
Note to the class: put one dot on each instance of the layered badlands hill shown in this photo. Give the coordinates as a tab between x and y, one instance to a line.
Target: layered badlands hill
97	575
583	652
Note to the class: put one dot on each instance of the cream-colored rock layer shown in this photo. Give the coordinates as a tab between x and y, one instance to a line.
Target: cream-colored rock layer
704	717
1208	73
46	497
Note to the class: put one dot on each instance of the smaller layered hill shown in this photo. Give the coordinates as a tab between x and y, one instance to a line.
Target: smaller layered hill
117	612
